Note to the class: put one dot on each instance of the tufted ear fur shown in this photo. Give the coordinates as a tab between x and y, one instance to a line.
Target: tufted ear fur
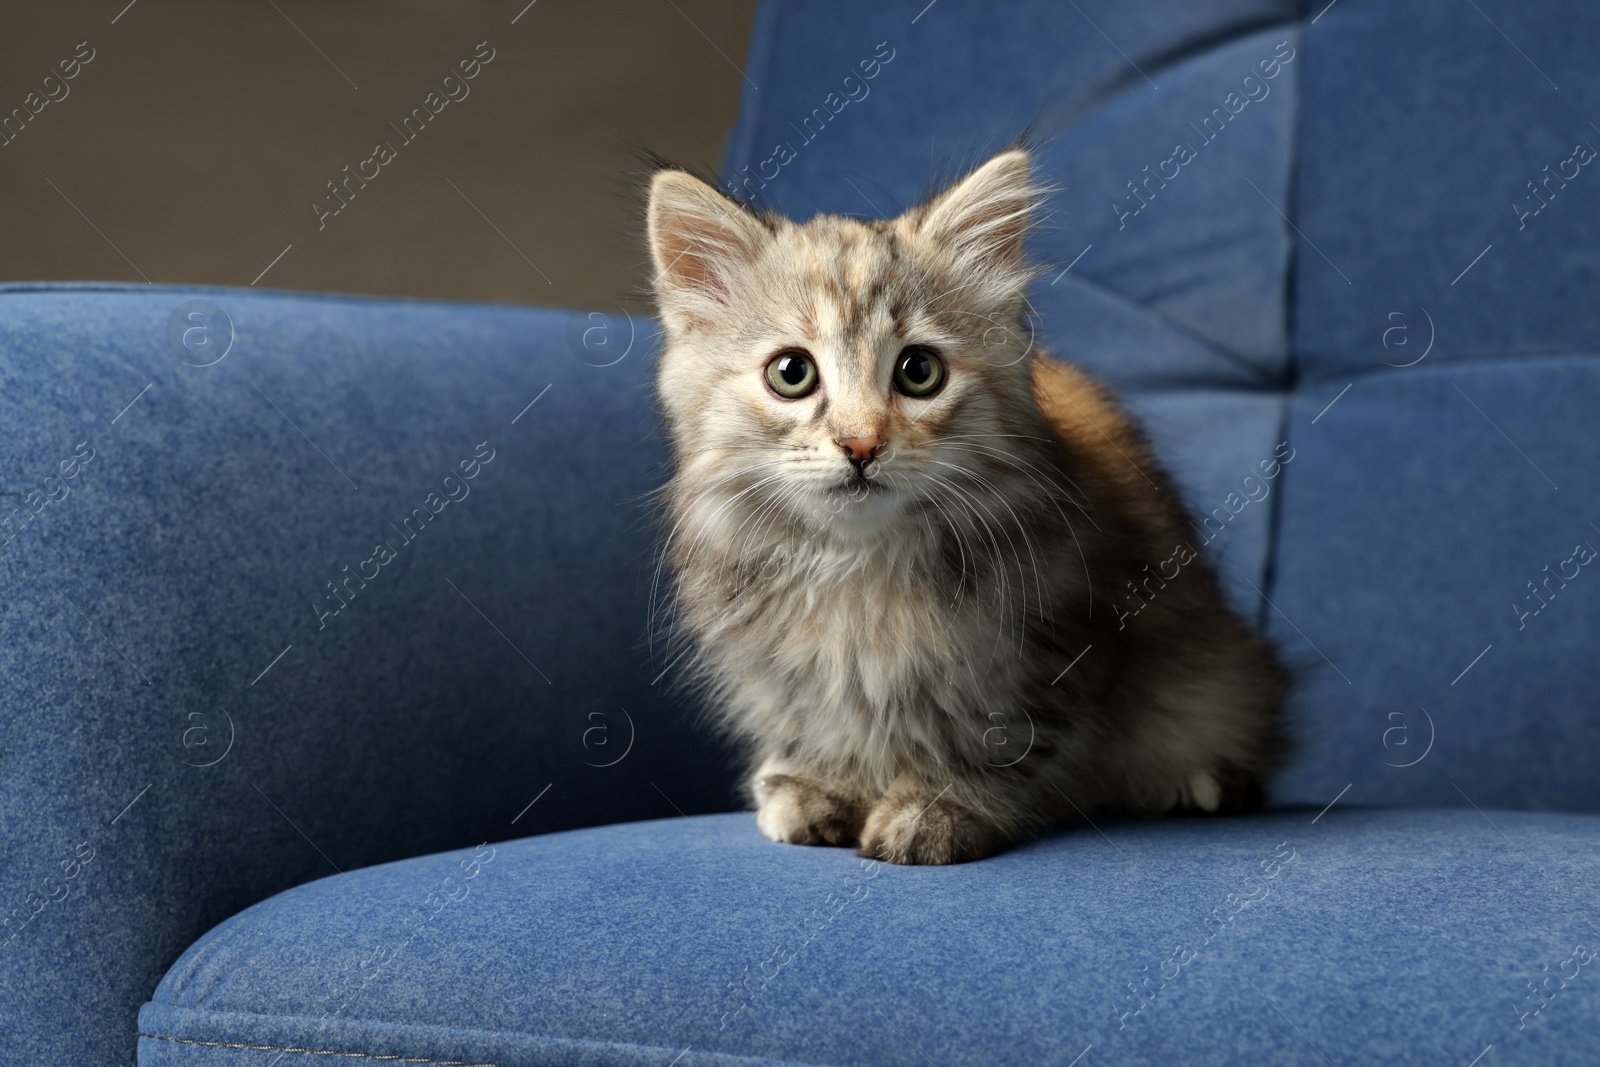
981	220
701	241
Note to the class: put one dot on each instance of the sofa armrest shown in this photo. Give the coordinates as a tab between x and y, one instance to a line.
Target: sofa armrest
295	584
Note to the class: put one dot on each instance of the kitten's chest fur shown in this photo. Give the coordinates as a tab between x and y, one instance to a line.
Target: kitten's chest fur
870	657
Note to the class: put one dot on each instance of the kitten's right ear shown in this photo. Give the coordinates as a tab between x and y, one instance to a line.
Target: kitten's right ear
983	218
699	239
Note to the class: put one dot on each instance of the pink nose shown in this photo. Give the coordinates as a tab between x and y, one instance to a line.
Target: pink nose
860	449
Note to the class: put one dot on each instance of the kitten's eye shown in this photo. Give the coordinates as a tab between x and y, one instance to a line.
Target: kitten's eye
919	372
792	374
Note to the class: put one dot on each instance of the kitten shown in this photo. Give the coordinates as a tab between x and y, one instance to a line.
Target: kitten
901	539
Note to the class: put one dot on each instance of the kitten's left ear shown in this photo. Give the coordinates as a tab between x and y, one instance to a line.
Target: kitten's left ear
983	217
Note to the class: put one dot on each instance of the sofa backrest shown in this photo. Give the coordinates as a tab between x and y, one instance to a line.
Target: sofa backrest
1264	208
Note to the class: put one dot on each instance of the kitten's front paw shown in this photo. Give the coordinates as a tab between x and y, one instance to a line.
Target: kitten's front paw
917	826
799	811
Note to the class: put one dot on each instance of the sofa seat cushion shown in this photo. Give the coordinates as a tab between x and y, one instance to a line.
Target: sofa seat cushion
1292	937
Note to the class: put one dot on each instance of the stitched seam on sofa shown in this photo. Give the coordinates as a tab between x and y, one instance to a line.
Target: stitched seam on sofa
1265	379
397	1058
392	1057
1269	562
1291	298
1518	360
1293	253
1291	301
181	1015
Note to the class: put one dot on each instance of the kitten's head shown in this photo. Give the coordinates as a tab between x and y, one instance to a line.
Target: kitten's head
845	372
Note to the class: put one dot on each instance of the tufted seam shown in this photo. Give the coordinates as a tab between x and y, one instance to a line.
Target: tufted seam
1291	363
1258	376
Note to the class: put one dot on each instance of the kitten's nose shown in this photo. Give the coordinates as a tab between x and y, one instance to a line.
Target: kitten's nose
860	449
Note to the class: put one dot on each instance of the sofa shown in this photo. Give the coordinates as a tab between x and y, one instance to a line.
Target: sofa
335	730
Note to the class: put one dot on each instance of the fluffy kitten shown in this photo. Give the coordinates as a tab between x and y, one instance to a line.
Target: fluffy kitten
900	537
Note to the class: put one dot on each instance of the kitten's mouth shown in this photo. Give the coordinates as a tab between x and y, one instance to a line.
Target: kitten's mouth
858	483
859	504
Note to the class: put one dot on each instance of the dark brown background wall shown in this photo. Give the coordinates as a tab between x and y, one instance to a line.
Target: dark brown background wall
193	144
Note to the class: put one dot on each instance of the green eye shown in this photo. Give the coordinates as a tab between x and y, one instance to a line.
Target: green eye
919	371
792	374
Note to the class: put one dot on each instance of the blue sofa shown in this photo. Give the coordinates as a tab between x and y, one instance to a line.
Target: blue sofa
332	729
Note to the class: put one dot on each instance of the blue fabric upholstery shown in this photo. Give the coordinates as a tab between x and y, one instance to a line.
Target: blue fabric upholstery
1364	937
1429	497
1350	277
150	593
